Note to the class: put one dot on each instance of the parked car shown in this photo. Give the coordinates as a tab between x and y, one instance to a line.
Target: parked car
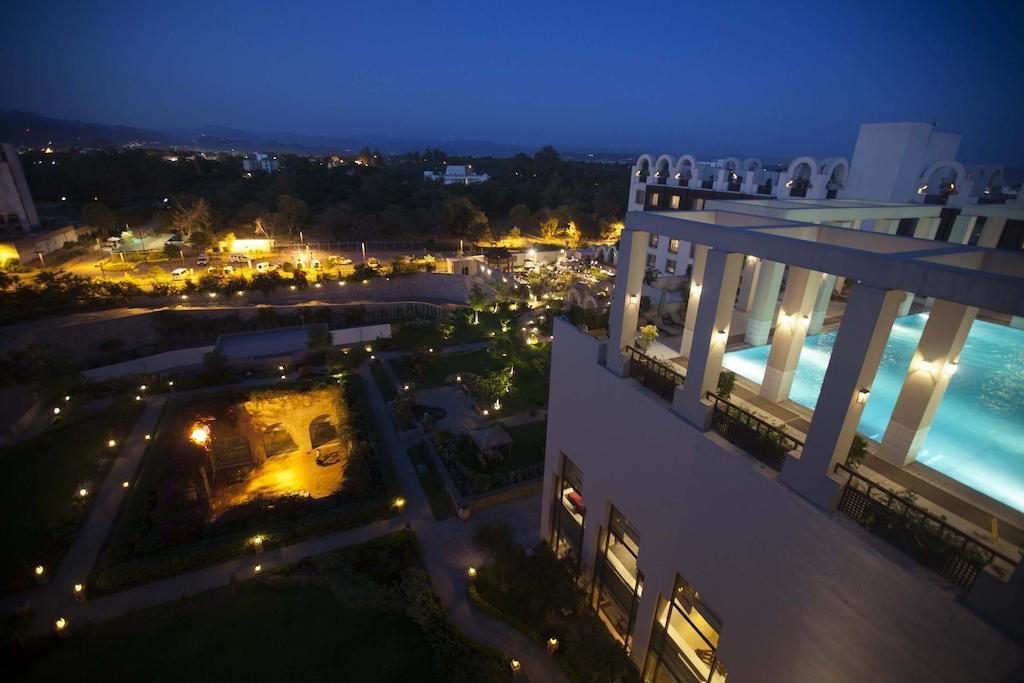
179	274
238	258
339	261
203	260
265	267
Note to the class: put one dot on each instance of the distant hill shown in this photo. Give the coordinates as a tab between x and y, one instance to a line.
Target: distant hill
28	128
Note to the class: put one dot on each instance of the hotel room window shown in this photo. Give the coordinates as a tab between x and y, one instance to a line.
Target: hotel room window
652	241
652	259
684	640
670	266
674	202
618	582
673	246
569	512
655	197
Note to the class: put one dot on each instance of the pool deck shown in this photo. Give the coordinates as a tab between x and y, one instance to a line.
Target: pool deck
974	510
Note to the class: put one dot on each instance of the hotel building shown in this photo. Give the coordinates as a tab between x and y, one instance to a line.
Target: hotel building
753	536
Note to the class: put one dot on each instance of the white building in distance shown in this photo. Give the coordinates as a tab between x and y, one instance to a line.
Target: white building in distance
457	175
260	163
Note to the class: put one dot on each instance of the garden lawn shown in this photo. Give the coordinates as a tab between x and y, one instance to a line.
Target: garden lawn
411	336
253	632
41	477
441	366
430	480
527	443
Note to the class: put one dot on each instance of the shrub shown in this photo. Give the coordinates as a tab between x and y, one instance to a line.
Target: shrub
726	382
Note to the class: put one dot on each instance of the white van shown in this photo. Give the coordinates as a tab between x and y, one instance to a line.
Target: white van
179	274
264	267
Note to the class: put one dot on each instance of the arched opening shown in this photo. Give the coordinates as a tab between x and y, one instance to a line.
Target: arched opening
644	166
663	168
277	440
800	173
939	182
322	431
685	168
733	169
836	171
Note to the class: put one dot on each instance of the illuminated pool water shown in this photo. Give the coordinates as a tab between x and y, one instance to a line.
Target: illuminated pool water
977	436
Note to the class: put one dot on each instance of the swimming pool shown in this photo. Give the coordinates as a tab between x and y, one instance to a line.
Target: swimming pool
977	436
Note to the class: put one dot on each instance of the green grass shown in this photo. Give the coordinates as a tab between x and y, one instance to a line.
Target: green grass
441	366
255	632
382	380
38	489
433	486
411	336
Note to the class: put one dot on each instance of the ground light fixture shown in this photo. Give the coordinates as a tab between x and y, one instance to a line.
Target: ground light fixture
552	645
399	503
111	443
257	542
471	572
61	625
515	667
257	569
125	484
67	398
148	437
56	411
83	492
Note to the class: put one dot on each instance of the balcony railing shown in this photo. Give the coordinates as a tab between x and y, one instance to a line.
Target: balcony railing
761	439
653	374
919	533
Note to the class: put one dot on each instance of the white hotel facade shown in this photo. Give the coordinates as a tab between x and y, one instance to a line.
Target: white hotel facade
728	538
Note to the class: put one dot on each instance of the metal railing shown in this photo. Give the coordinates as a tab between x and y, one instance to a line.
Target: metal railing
761	439
653	374
922	535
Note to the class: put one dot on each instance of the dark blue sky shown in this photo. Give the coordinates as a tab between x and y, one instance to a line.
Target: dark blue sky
766	78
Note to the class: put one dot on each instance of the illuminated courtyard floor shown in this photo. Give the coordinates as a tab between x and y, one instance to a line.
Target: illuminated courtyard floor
977	437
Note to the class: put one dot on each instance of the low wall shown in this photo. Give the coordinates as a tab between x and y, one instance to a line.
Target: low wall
159	362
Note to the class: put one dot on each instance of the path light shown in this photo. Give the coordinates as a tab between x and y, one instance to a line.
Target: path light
471	572
257	542
862	396
430	350
40	573
280	368
291	286
399	503
137	397
171	383
372	357
552	645
257	569
283	376
405	387
67	398
56	411
61	625
458	378
148	437
111	443
78	591
142	387
369	348
125	484
516	667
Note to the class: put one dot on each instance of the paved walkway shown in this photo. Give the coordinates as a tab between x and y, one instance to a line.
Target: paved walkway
447	547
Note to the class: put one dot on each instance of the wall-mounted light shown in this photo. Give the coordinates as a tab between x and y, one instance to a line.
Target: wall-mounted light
634	299
862	396
922	189
722	336
678	176
751	260
786	320
950	369
925	366
806	321
695	288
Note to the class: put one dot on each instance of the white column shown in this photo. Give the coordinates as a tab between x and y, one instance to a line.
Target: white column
700	256
991	232
828	283
931	368
925	230
629	280
887	226
748	282
711	333
963	228
762	310
802	287
858	350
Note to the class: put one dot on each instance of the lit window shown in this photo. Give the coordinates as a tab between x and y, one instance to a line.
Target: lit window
654	199
690	650
674	202
670	266
673	246
652	241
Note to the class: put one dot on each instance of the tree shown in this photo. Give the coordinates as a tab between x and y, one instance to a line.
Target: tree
460	217
515	234
318	338
292	213
200	239
549	228
477	300
192	218
521	217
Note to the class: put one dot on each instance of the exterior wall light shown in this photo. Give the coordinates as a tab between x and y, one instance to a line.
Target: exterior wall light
634	299
950	369
925	366
806	321
862	396
722	336
786	320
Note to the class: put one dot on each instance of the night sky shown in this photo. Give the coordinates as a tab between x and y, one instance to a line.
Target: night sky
716	78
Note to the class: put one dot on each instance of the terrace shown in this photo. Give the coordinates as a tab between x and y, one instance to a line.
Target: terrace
845	268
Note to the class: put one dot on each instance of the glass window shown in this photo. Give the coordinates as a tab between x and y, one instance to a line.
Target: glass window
652	259
618	581
673	246
654	199
569	512
670	266
684	641
652	241
639	196
675	201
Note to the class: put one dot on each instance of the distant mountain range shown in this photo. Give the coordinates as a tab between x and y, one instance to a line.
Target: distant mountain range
28	128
